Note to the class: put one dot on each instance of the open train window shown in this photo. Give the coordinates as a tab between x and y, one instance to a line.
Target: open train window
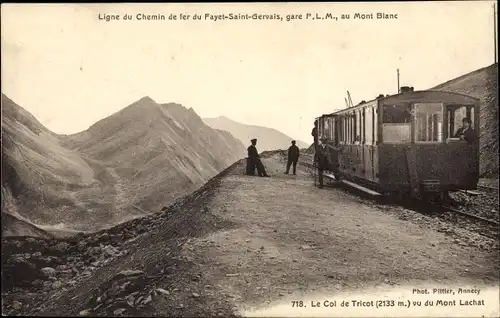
368	123
349	128
428	122
396	123
344	129
328	129
355	128
456	114
396	114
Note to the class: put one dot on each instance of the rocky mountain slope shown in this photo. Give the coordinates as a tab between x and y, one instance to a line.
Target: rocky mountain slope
482	84
132	162
89	275
268	138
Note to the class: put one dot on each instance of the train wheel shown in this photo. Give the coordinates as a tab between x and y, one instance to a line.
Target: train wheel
388	197
402	196
435	197
444	197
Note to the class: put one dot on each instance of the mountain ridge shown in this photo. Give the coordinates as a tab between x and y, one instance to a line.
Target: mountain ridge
134	161
268	138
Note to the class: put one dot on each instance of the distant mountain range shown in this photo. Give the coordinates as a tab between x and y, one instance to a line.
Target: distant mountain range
267	138
131	163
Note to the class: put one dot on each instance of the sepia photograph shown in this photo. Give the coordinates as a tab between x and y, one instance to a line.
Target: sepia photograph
258	159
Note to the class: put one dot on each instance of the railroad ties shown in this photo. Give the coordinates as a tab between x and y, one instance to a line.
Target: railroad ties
471	192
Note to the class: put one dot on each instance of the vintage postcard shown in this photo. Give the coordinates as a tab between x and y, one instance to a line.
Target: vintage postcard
301	159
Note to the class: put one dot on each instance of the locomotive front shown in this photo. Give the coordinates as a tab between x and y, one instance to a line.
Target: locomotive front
429	142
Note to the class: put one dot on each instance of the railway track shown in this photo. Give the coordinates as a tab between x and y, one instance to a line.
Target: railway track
471	216
485	227
488	188
481	225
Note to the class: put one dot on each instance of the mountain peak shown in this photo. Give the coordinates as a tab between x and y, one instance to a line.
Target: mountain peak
146	99
219	118
145	102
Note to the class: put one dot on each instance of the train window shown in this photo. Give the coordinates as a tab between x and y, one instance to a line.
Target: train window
344	129
355	127
428	122
455	116
320	127
332	128
375	125
361	124
341	129
369	126
349	128
357	134
396	123
396	114
328	128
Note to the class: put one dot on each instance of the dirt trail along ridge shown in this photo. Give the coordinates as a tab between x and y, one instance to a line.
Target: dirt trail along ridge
241	245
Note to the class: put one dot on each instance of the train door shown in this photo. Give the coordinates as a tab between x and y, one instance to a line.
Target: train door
321	126
375	136
341	141
368	148
462	158
364	148
359	144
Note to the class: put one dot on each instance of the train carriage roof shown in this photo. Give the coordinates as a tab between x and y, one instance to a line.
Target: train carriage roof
414	96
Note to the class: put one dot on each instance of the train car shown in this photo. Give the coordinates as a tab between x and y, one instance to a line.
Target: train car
405	144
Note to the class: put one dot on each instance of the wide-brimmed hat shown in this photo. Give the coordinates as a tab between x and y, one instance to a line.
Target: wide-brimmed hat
252	140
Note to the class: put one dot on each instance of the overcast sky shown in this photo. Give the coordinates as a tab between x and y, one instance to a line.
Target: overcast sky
70	69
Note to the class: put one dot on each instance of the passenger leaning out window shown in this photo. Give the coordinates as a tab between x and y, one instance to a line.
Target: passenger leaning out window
466	132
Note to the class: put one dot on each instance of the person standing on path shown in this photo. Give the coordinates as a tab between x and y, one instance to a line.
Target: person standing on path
293	158
254	161
321	157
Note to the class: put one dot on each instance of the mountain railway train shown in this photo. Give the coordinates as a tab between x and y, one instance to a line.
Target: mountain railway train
404	144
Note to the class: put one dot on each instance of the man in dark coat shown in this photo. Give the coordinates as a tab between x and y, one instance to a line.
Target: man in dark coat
326	157
466	132
321	158
293	157
251	165
253	161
